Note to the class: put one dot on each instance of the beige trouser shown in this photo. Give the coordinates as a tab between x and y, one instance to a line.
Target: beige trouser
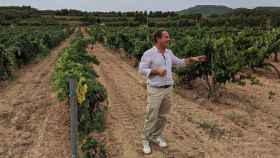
159	105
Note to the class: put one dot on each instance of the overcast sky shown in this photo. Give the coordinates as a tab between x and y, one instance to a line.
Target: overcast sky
132	5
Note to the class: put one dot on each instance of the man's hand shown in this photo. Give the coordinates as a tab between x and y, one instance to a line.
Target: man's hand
201	58
161	72
158	71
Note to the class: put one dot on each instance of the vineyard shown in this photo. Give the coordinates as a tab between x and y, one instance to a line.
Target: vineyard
52	62
20	45
230	50
61	54
242	76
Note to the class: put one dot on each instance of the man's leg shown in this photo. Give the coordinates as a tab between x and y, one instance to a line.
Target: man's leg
151	124
164	109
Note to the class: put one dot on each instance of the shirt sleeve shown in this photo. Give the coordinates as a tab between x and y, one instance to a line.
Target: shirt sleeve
177	61
145	65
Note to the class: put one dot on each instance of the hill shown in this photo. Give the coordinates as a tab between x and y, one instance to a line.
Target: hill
271	9
207	10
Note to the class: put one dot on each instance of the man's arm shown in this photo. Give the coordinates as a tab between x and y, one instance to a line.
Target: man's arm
187	61
190	60
145	67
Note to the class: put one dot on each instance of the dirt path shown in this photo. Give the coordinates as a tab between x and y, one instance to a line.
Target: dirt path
33	123
192	130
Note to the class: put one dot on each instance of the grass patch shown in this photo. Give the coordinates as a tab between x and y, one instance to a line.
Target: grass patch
212	129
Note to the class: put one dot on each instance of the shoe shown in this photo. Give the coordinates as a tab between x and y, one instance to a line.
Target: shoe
161	142
146	147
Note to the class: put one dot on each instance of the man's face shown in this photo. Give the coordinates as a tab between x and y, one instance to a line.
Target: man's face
164	40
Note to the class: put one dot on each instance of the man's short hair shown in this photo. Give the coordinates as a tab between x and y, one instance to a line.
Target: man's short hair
158	34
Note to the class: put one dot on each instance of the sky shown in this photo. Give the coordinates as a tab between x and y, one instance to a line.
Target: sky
132	5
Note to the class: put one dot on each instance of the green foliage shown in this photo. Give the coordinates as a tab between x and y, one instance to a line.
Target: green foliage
74	62
226	60
20	45
91	148
134	43
229	50
6	63
91	118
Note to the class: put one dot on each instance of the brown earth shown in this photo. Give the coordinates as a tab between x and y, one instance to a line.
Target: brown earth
33	123
244	124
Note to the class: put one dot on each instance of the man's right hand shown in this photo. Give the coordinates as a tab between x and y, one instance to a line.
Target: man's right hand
159	71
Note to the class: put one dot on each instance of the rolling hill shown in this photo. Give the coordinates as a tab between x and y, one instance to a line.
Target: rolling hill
207	10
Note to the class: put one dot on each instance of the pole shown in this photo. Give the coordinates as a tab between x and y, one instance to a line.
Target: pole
147	19
73	117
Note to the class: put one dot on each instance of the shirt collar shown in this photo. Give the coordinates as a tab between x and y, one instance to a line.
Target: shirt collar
154	47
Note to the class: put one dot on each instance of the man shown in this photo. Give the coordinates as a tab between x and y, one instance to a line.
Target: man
156	65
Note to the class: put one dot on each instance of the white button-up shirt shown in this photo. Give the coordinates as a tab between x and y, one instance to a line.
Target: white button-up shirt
152	58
